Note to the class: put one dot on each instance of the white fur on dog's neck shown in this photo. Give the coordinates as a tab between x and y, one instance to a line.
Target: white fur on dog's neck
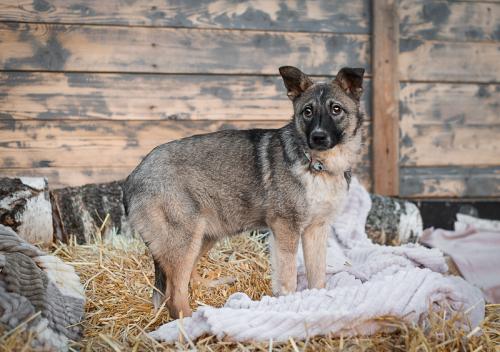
325	191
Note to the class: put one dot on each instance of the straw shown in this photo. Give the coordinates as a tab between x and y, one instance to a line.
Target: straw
118	277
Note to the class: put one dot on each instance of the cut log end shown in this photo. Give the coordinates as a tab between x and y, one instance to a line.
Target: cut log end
25	207
393	221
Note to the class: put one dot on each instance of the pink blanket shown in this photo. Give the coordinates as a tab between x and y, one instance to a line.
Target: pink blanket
475	249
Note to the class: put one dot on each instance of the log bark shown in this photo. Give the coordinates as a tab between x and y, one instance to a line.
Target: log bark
393	221
80	211
97	210
25	207
88	211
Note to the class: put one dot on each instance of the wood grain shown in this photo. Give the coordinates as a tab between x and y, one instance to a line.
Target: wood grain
65	143
444	103
77	176
34	95
449	61
446	20
449	144
449	124
385	98
102	143
73	176
290	15
311	16
450	182
449	131
72	153
79	48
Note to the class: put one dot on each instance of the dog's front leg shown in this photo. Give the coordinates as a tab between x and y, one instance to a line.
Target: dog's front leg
314	240
284	243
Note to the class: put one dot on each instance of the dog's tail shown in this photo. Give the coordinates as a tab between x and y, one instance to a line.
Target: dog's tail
160	285
125	196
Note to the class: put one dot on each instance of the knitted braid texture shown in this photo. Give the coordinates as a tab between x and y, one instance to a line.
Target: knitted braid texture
32	282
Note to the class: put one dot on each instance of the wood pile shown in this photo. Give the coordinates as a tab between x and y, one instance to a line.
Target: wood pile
98	208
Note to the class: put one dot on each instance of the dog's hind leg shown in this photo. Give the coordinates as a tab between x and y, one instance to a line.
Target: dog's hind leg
175	239
160	290
180	266
174	247
150	223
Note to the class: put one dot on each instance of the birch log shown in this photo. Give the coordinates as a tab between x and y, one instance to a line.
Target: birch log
88	211
393	221
97	209
25	208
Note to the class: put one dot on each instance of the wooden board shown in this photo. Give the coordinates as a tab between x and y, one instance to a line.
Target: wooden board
77	176
385	98
101	143
441	103
450	182
35	95
449	61
449	124
65	143
51	47
449	144
72	153
446	20
74	176
291	15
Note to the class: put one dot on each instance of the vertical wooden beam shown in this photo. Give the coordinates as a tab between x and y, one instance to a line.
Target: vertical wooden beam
385	51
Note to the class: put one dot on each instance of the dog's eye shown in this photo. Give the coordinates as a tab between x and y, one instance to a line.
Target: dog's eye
336	109
308	112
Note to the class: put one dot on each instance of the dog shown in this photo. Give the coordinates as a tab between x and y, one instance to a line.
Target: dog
189	193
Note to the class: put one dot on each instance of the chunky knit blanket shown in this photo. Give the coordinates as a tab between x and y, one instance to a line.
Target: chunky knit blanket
365	281
39	291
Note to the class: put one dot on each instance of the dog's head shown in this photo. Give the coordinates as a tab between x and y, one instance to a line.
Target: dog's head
326	114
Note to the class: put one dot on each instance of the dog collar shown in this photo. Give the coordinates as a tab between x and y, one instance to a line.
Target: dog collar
314	165
317	166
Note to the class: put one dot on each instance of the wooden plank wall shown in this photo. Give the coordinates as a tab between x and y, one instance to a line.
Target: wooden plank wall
88	87
449	71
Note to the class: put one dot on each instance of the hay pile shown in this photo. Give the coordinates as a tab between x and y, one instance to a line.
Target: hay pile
118	279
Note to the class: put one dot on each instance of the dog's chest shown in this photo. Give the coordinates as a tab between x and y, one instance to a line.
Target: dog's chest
324	195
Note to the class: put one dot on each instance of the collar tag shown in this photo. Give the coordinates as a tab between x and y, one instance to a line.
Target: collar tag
317	166
314	165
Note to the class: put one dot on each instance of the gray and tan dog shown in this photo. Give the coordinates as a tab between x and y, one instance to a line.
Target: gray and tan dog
188	194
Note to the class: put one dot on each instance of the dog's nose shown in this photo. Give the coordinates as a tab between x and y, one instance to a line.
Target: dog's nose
319	139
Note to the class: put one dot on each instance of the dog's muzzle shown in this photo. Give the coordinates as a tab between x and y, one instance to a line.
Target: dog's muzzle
320	140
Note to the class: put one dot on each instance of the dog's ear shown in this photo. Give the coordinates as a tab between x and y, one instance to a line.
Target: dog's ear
351	81
296	81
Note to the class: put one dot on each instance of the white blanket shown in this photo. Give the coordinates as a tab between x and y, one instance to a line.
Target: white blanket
365	281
